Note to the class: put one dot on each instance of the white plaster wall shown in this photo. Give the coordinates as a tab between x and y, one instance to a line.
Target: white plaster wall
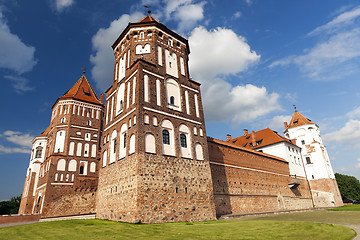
120	98
122	67
160	56
185	152
199	152
122	147
173	90
60	141
169	149
182	66
150	143
143	50
171	64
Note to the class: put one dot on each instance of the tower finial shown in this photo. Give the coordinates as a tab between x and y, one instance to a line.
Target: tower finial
84	70
294	107
148	8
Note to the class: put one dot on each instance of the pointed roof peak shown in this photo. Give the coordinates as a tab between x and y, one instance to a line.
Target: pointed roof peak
148	18
83	91
298	120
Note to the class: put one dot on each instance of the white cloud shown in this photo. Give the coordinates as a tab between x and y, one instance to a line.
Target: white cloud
277	122
61	5
335	57
18	138
328	55
347	135
249	2
15	55
103	58
188	15
354	114
344	18
8	150
220	53
20	84
237	15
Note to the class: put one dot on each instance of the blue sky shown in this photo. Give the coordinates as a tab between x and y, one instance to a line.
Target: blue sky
255	60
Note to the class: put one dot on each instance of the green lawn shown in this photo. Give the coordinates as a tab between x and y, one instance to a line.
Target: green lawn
235	229
355	207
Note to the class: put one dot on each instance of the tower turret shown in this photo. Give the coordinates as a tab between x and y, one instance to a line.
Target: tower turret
155	164
316	160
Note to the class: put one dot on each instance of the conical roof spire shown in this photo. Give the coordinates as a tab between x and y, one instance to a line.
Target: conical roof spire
82	91
298	120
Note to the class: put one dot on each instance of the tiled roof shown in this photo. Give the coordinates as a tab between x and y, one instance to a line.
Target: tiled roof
44	133
259	139
82	91
297	120
148	18
230	144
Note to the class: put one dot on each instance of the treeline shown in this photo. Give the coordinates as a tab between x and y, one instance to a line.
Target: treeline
349	186
11	206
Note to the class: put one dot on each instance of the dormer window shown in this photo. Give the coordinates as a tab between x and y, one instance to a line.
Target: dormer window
87	93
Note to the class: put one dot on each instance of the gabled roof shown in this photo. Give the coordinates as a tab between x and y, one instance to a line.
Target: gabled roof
297	120
260	139
82	91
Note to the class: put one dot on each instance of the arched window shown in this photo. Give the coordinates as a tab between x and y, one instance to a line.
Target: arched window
185	143
93	151
79	149
166	137
71	148
173	94
62	120
113	145
199	151
132	144
104	158
86	150
183	140
81	170
88	123
92	167
38	152
61	165
72	165
141	36
87	136
123	139
59	141
149	143
120	99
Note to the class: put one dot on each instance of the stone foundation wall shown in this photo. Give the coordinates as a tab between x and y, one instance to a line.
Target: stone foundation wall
326	193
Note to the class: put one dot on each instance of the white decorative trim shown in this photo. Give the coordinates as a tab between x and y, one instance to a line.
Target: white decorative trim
172	115
61	126
76	138
93	140
111	94
41	186
119	120
154	74
93	129
131	76
251	169
190	88
62	183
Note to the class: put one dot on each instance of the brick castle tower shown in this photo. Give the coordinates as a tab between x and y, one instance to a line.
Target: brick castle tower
319	172
155	165
63	173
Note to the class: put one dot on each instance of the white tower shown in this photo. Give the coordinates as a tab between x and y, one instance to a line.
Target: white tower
316	160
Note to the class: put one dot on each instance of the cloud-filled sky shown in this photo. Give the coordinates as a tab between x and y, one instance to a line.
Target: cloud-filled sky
255	60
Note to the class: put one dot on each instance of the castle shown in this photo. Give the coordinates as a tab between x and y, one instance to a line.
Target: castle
144	156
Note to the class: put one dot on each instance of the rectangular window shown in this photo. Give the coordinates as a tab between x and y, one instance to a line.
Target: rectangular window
308	160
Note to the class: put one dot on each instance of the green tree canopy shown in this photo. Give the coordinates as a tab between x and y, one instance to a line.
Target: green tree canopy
349	186
11	206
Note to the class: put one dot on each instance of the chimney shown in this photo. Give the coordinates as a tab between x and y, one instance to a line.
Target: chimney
102	98
253	139
246	132
228	137
286	125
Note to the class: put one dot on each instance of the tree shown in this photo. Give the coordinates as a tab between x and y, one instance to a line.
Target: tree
349	186
11	206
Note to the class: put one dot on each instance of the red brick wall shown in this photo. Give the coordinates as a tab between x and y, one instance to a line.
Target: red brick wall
19	218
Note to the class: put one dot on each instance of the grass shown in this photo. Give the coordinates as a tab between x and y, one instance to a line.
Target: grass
355	207
234	229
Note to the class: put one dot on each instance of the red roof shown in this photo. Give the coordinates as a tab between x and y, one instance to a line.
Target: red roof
148	18
297	120
82	91
259	139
